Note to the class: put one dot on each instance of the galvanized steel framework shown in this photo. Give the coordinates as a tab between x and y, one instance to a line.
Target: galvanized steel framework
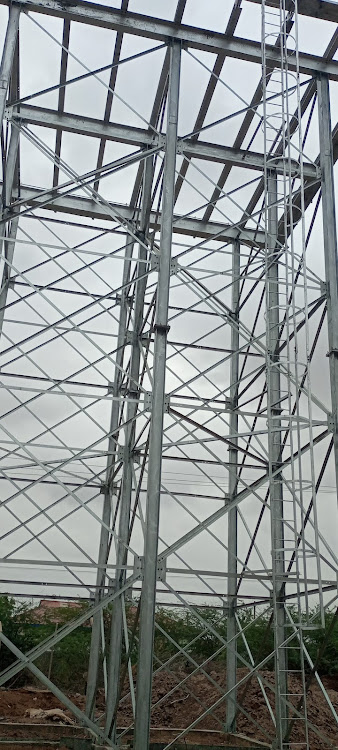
182	336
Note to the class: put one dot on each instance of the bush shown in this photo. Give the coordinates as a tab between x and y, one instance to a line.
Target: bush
68	662
16	625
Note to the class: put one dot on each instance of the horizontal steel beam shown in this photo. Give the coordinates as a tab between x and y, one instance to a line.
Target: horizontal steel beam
326	10
159	29
140	137
49	118
71	204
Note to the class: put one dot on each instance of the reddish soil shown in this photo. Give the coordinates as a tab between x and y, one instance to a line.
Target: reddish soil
174	712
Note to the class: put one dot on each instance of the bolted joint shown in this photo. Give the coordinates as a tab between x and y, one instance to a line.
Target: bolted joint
120	453
124	454
161	572
277	466
127	392
155	262
173	266
138	569
148	402
8	114
161	568
140	235
158	327
136	456
180	146
160	140
276	411
109	488
331	423
233	314
324	288
110	387
155	265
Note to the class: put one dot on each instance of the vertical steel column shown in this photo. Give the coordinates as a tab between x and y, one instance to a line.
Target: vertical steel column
8	55
127	476
330	245
95	643
7	245
11	163
108	490
10	177
148	597
231	672
275	457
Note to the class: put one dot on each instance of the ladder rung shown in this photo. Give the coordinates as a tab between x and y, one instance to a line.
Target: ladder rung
294	718
293	671
287	694
298	718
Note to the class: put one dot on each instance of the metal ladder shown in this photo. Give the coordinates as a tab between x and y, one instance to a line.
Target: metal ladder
291	549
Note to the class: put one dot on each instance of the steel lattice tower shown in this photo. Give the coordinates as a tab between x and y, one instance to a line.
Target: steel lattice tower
169	342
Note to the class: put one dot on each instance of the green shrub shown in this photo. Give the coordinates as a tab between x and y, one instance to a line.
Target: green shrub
176	629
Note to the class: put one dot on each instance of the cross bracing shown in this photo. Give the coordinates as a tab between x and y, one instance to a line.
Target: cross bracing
168	299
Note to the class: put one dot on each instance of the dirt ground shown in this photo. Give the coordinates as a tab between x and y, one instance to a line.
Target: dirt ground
173	710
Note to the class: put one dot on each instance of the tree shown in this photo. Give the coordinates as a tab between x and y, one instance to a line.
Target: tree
15	620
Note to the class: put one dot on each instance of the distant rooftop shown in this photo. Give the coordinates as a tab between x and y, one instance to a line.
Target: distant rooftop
44	611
